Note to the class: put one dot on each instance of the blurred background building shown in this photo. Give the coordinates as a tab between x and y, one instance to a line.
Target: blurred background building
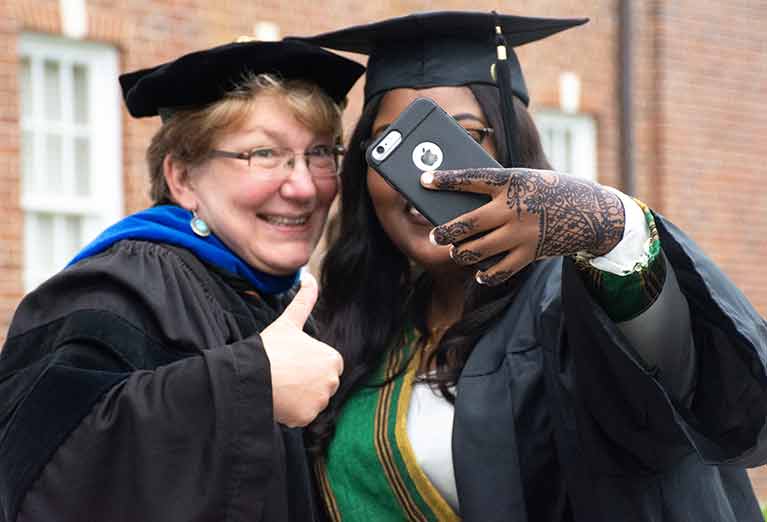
663	99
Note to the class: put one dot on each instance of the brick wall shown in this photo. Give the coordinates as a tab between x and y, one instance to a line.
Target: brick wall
10	215
699	86
714	81
710	90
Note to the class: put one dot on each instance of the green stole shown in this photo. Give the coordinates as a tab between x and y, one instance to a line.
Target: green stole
369	472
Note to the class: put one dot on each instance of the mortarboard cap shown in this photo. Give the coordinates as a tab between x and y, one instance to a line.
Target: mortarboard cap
440	48
448	48
203	77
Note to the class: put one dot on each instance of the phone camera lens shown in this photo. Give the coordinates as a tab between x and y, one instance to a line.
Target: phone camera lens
380	149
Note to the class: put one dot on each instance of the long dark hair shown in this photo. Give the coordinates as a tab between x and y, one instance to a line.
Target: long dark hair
370	291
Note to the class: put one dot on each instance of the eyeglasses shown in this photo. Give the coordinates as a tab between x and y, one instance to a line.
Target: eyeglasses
478	134
322	161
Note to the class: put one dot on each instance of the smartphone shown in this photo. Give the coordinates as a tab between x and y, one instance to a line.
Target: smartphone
422	138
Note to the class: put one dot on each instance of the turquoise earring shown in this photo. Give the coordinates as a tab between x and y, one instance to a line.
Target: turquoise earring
199	226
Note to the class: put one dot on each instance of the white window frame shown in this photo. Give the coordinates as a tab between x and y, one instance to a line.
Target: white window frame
573	148
104	203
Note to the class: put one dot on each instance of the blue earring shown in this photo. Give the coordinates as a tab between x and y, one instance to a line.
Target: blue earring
199	226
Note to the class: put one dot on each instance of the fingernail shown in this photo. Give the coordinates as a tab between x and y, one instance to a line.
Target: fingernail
478	278
427	178
452	252
432	238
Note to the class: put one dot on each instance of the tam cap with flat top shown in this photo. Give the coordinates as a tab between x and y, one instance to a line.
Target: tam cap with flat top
199	78
447	48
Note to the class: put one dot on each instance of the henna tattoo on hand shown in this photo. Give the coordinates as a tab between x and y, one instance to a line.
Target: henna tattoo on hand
446	234
452	179
496	278
573	214
466	257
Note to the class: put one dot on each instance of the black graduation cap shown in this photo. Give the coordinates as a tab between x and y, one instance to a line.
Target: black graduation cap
203	77
446	48
439	48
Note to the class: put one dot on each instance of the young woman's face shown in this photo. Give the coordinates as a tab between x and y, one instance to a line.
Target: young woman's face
407	228
271	218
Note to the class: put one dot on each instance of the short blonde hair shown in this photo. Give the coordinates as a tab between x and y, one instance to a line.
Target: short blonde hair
189	135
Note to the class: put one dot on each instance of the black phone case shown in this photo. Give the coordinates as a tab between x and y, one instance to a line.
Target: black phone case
425	121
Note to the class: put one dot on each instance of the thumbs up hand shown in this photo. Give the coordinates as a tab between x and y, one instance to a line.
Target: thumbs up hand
305	371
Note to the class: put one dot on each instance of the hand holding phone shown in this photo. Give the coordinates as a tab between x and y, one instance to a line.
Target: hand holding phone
517	215
425	138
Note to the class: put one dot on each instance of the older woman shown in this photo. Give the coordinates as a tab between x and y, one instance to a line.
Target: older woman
602	370
157	376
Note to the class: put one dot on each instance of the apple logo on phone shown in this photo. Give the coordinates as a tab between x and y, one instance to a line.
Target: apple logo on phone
427	156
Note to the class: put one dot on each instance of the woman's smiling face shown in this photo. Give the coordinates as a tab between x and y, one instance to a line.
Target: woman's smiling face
407	228
272	219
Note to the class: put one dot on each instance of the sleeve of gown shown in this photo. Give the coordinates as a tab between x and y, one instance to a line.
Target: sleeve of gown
190	440
121	399
625	400
666	322
637	291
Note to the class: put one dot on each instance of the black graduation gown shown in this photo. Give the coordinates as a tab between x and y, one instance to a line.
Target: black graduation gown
132	387
557	420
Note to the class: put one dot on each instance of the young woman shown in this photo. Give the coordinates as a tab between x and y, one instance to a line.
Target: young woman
153	378
604	369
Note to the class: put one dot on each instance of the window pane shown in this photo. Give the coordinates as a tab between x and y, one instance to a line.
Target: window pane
25	88
80	76
51	179
82	166
73	235
52	91
556	151
548	142
569	142
27	161
42	241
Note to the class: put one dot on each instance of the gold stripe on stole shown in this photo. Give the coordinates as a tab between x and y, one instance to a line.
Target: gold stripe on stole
331	506
382	443
426	489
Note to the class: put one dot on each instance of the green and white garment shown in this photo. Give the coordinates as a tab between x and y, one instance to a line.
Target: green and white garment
370	472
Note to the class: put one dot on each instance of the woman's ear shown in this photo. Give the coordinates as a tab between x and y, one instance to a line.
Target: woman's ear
178	179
